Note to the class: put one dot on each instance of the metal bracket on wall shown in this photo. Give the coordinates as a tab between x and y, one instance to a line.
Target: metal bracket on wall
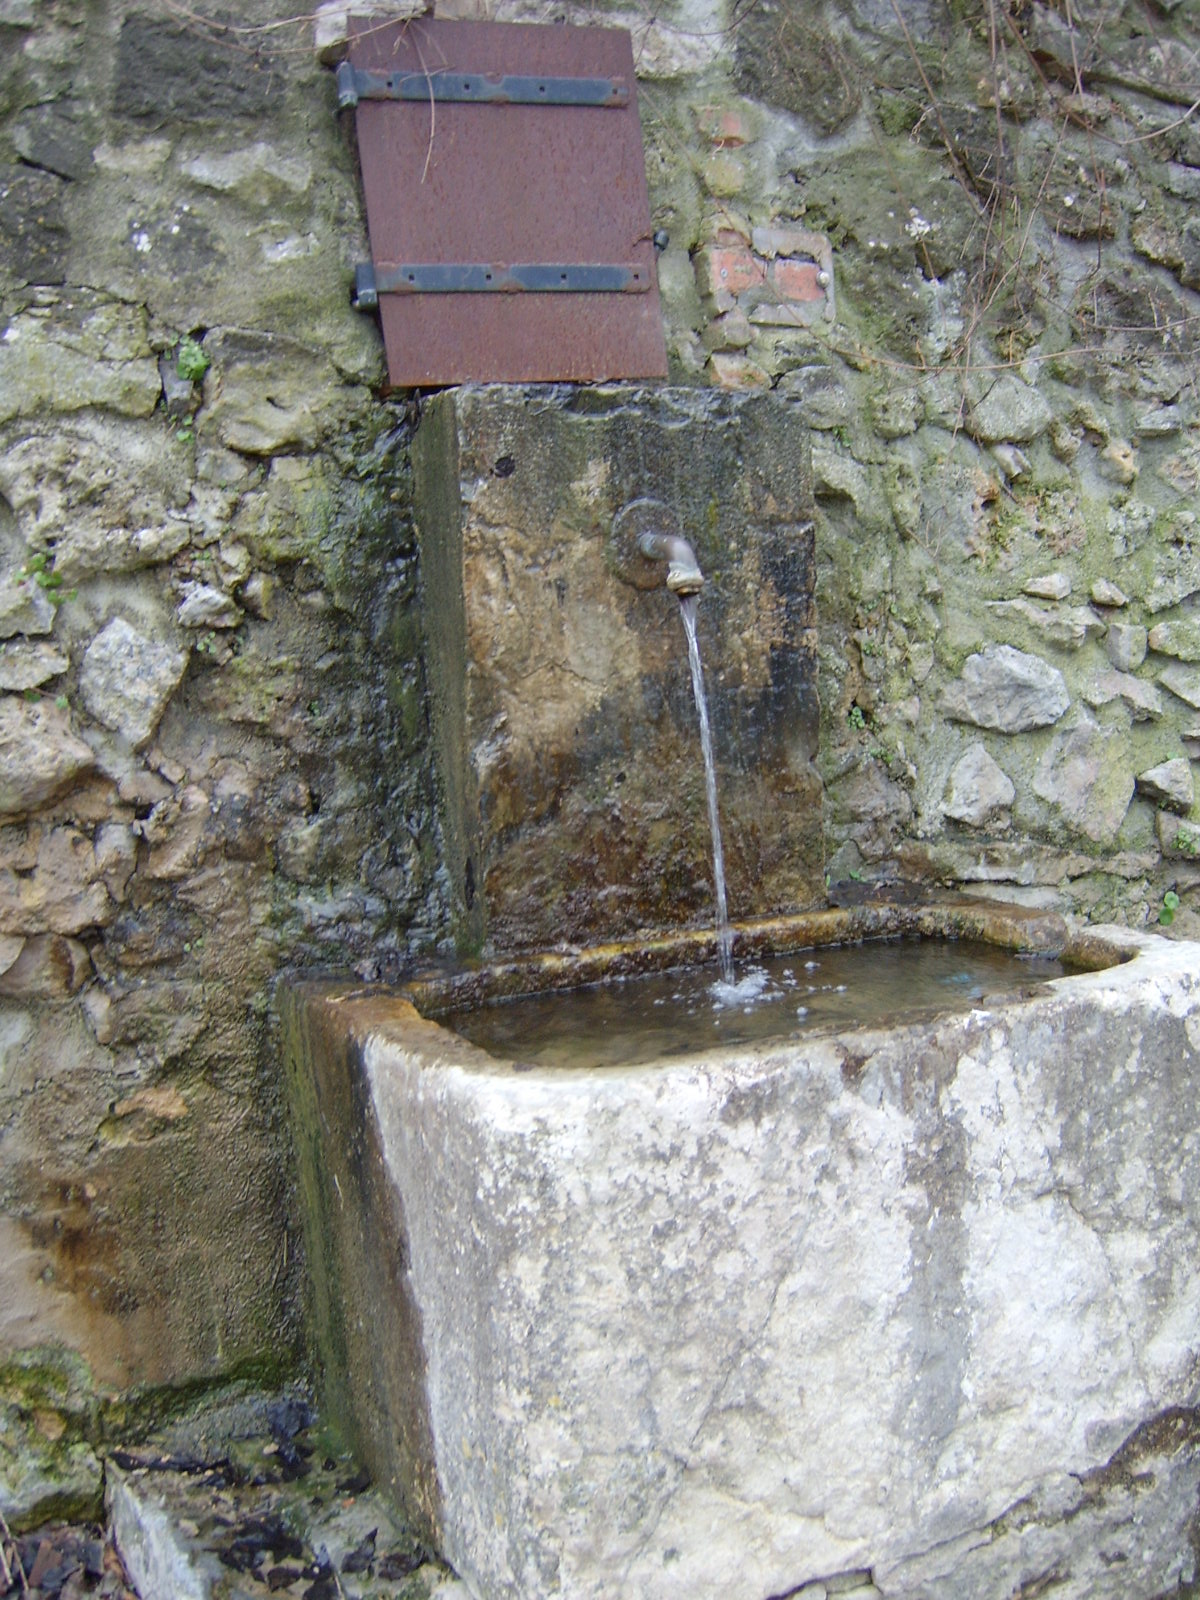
485	277
477	88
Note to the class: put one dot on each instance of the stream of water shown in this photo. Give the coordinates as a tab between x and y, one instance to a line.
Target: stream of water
687	610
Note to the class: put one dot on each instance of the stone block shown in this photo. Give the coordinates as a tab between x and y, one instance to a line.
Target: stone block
1049	586
48	968
1184	683
53	887
978	789
735	372
1142	699
168	73
1106	593
1009	410
1180	840
268	394
1008	690
92	353
562	702
127	679
1086	781
1126	645
25	608
1169	784
40	755
56	139
776	1316
28	666
1179	639
1064	627
33	230
260	174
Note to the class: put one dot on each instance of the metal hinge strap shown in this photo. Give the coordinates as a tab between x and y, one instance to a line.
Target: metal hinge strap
486	277
477	88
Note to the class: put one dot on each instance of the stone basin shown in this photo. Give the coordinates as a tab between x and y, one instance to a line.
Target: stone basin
909	1310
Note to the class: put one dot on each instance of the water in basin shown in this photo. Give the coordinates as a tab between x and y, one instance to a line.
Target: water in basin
624	1022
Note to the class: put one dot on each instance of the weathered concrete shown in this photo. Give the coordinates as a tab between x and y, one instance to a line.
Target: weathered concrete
915	1305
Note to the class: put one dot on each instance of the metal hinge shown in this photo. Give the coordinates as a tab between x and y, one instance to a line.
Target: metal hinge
487	277
478	88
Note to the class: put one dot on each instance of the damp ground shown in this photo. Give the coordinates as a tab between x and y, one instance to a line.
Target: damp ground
213	1510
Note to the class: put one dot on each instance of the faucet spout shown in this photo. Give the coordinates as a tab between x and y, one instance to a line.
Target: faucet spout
683	570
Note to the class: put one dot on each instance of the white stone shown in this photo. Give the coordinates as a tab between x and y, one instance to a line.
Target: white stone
39	754
1011	460
1049	586
87	550
330	21
24	608
257	172
1010	410
204	606
1104	593
1183	682
1066	627
1175	581
1008	690
1126	645
978	789
1170	784
1079	776
1179	639
127	679
28	666
1143	700
157	1556
737	1324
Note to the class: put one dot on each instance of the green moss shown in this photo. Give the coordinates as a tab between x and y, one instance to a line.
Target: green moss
899	112
48	1422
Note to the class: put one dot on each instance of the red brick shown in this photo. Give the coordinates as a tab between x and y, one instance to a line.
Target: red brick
723	127
731	271
797	280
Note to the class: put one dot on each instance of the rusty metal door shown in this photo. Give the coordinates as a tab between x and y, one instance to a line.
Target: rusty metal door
506	200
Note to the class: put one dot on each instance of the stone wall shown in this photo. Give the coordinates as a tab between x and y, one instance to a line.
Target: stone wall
959	238
212	719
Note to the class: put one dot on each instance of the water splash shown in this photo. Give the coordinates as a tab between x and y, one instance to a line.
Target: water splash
687	610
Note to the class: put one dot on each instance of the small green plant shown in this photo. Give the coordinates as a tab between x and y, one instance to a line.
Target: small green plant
191	362
1170	905
39	569
856	718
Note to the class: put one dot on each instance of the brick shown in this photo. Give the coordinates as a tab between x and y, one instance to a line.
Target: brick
725	128
797	280
731	270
